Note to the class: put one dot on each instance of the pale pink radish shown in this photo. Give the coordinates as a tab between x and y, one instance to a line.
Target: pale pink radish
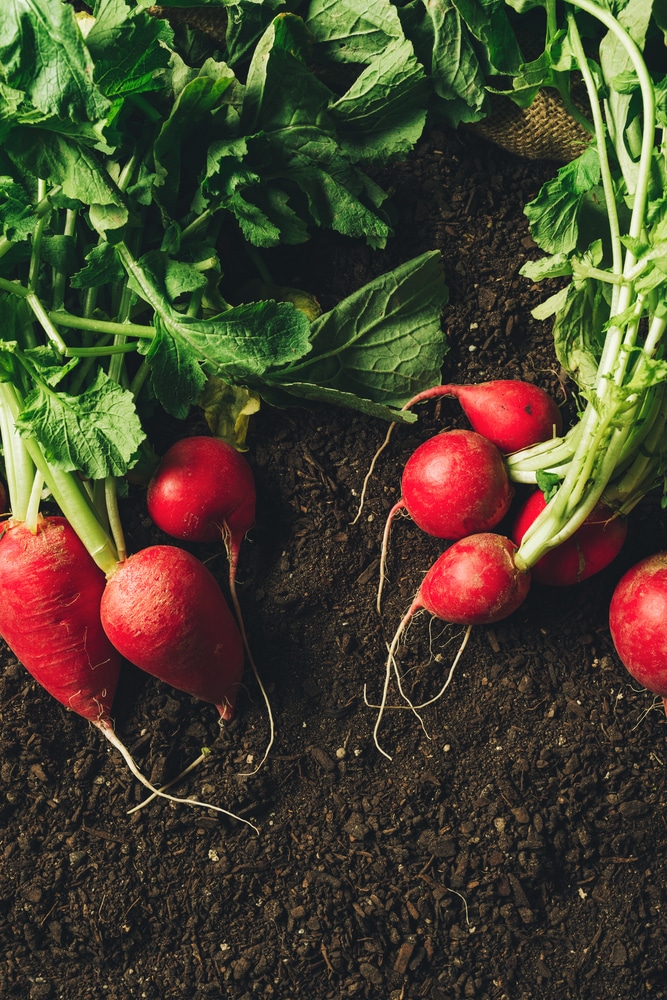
638	623
474	582
589	550
454	484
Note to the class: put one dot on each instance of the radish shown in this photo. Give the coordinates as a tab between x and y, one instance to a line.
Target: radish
50	592
590	549
50	596
510	413
474	582
163	610
638	622
202	490
453	485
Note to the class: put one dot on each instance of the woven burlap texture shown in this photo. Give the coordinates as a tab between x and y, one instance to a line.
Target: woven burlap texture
543	131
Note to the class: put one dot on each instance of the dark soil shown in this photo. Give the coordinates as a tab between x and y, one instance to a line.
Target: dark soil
516	851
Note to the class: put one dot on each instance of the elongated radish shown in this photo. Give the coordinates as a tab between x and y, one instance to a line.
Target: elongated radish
203	490
50	595
588	551
453	485
474	582
50	592
638	622
510	413
163	611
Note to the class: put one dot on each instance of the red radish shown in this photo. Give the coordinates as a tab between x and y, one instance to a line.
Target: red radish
474	582
638	622
510	413
50	595
203	490
163	611
50	592
453	485
590	549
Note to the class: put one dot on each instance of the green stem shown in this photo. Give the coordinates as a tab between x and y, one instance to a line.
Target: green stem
32	512
102	325
609	423
19	467
67	491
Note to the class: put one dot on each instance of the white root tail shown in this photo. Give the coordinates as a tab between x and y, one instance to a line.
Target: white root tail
110	735
392	667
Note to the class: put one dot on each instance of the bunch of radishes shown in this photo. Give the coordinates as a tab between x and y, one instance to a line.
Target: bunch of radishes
71	606
457	486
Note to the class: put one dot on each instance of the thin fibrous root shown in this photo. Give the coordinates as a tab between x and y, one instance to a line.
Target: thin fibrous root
392	666
108	732
398	506
163	788
370	472
256	674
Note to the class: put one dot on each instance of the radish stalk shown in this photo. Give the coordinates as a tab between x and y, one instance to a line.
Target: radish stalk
594	460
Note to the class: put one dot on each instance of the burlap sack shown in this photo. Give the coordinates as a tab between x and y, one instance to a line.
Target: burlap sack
543	131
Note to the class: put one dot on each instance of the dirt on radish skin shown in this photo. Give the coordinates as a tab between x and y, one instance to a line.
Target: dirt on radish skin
588	551
163	610
50	594
638	622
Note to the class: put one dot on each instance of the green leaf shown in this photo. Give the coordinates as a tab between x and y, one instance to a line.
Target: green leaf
305	393
177	376
578	332
382	343
179	150
42	54
102	267
126	47
64	161
446	48
383	113
554	214
242	342
16	210
96	433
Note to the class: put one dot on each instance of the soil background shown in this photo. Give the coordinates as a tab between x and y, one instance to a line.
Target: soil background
513	848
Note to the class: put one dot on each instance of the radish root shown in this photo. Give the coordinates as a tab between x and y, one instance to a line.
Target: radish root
232	557
370	472
392	667
109	733
163	788
398	506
